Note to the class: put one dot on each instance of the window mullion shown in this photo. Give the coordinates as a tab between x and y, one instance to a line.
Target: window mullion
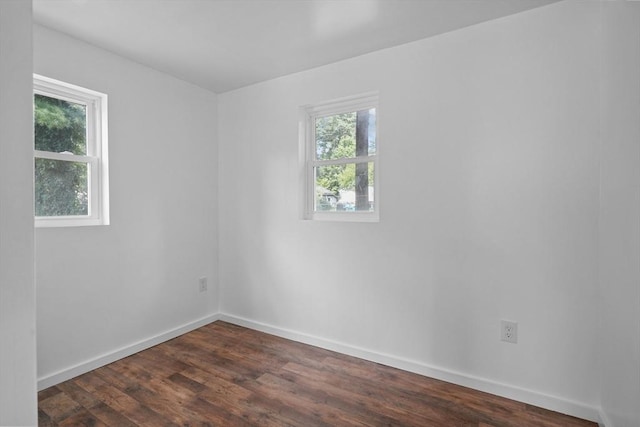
343	161
64	156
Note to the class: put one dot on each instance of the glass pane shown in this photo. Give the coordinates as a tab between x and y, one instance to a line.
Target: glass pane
345	188
61	188
371	136
346	135
59	126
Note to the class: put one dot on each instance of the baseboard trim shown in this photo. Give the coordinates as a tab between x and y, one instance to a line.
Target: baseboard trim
105	359
542	400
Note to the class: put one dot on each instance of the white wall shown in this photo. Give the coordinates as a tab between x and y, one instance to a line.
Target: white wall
17	289
620	214
489	144
101	289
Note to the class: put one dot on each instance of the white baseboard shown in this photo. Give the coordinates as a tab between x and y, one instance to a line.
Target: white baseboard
89	365
542	400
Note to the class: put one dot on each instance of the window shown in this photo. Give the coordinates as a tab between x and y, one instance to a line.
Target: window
339	145
70	155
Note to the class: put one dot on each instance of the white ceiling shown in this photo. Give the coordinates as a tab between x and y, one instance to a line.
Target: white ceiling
225	44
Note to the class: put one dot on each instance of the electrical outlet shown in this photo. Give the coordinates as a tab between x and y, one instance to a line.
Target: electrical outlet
509	331
203	284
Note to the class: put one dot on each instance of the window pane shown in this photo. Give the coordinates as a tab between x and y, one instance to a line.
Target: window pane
346	135
61	188
345	188
371	134
59	126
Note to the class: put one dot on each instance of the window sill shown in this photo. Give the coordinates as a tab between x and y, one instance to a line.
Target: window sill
344	216
68	222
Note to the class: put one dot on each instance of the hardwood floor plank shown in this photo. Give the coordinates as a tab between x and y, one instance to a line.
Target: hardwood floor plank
292	415
237	400
227	369
249	406
439	393
216	415
548	418
315	401
414	410
78	394
182	381
123	402
95	406
82	418
59	406
247	356
161	365
158	395
51	391
226	375
110	416
44	420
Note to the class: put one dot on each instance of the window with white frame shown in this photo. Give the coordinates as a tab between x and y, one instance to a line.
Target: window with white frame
70	155
340	147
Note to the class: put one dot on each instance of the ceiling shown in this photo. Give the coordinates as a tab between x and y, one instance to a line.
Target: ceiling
222	45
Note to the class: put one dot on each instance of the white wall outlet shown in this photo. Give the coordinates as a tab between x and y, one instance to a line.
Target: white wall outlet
202	282
509	331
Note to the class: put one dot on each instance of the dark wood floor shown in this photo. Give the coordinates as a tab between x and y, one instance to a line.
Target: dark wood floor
226	375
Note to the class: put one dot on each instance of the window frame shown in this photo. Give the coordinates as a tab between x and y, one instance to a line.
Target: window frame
96	156
308	115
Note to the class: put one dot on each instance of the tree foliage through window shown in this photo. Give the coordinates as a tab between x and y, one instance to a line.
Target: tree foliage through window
61	186
335	138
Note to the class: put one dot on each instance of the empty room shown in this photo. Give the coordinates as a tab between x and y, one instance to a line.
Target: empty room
320	213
